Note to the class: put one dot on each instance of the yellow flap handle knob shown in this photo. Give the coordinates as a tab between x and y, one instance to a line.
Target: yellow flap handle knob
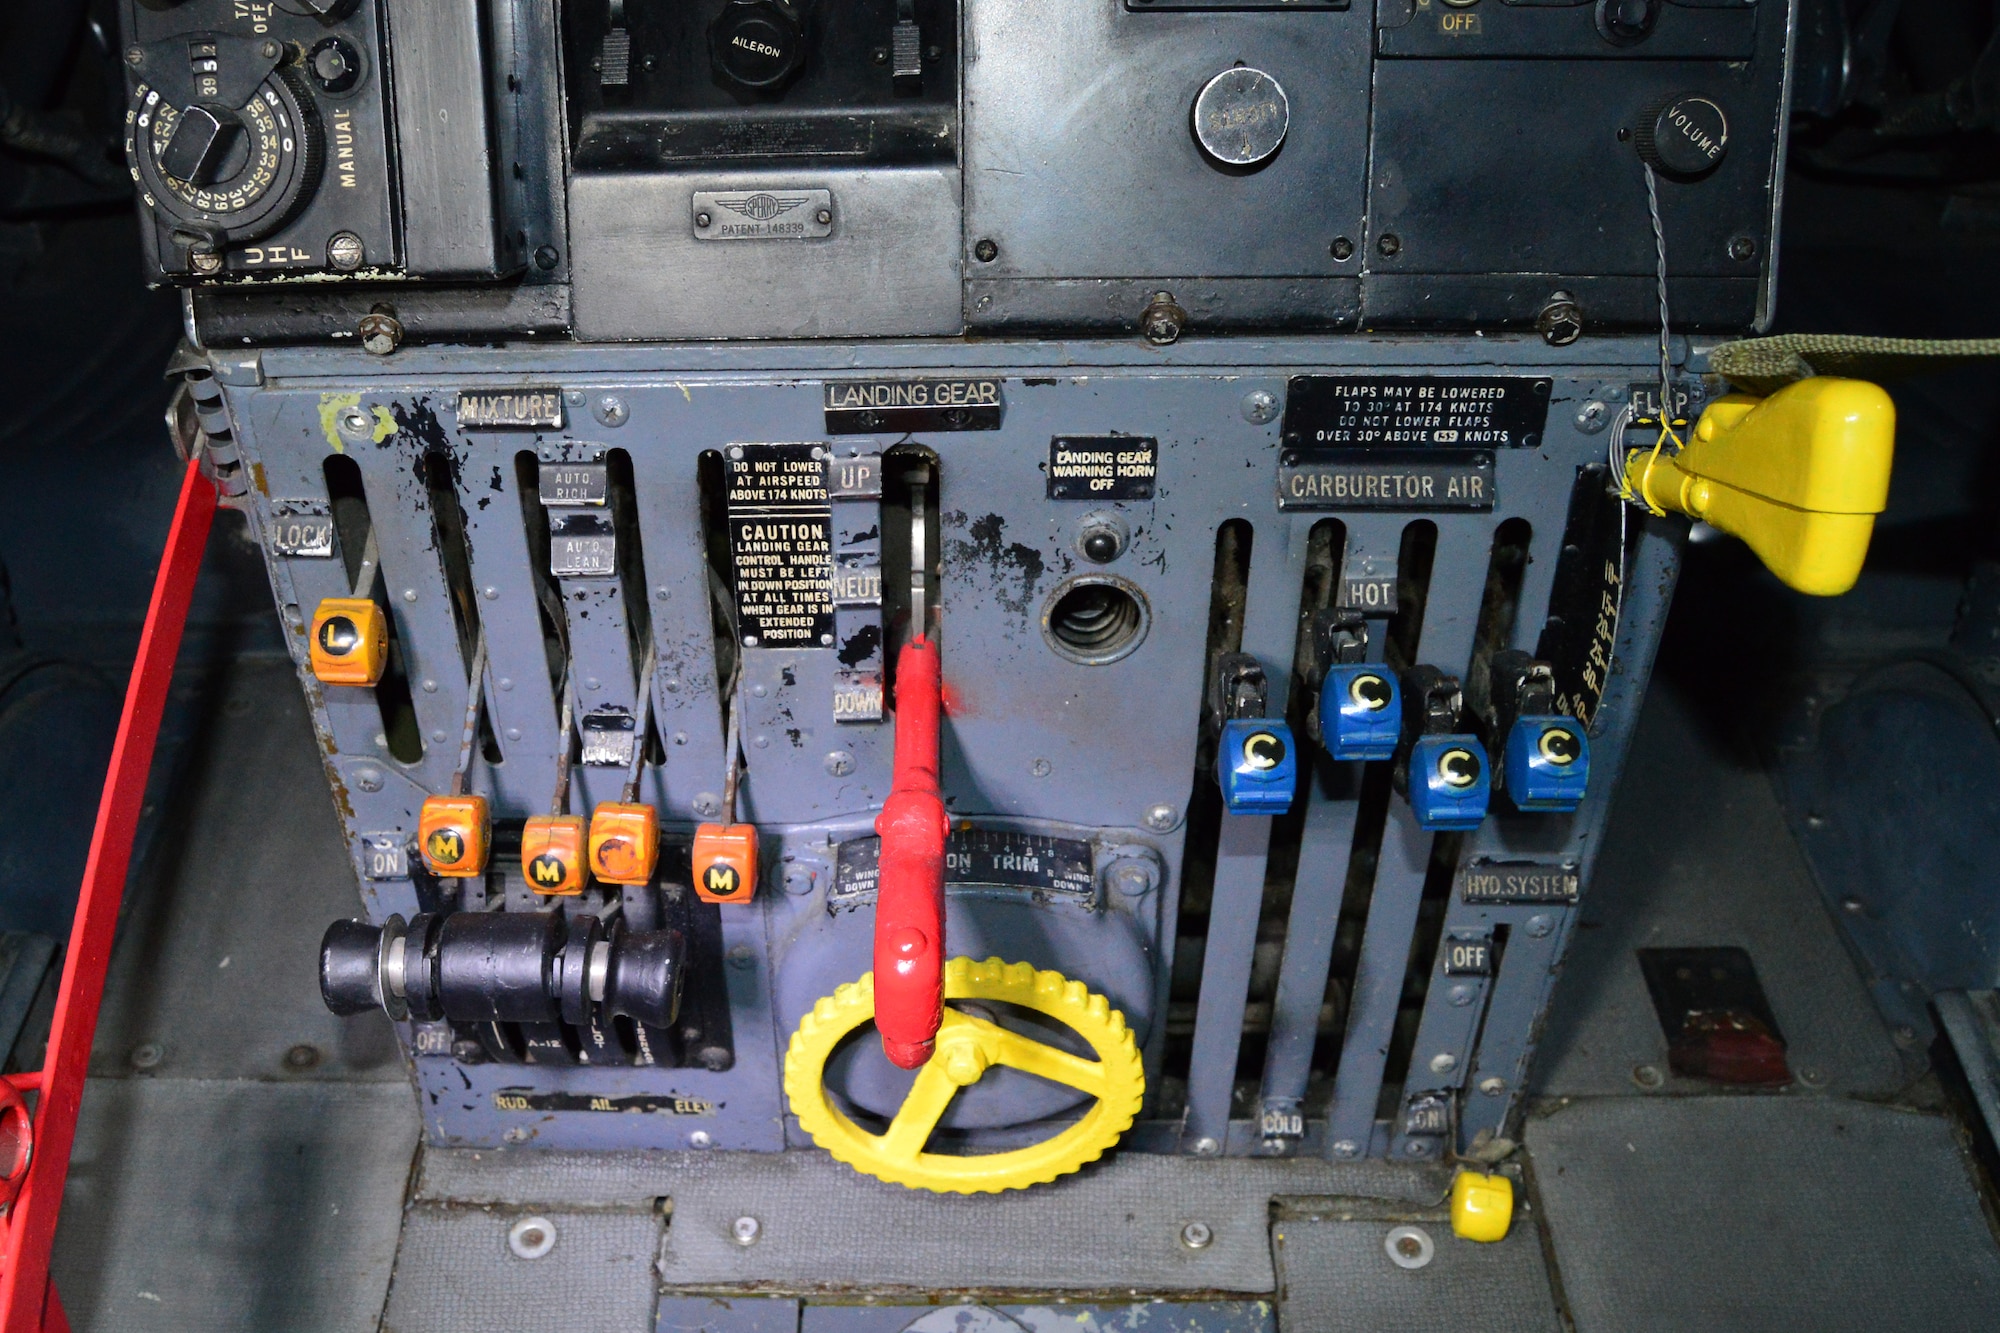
1482	1206
1799	476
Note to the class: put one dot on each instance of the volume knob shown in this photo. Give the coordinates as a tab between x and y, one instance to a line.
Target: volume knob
1685	136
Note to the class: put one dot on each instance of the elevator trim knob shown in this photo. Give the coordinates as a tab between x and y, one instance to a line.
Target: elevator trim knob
1241	117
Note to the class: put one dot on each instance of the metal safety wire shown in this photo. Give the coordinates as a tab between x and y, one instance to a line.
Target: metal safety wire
1620	473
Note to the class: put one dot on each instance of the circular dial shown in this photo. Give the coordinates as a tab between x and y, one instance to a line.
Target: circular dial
225	174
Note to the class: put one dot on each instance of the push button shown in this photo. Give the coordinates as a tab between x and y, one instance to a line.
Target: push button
1361	712
624	843
552	854
1547	763
1258	766
1450	784
453	833
725	863
350	641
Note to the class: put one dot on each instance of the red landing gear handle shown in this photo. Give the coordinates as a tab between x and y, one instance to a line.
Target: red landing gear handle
909	902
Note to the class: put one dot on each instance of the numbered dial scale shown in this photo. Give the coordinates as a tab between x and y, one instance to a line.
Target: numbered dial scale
223	141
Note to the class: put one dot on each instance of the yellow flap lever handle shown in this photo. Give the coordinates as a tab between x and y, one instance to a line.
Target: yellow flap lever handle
1799	476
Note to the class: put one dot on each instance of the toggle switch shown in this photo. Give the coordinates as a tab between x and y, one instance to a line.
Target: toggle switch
1360	712
1257	764
1450	784
1547	763
725	863
453	835
350	641
624	842
552	854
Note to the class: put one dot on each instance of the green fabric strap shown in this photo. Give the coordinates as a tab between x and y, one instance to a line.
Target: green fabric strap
1764	365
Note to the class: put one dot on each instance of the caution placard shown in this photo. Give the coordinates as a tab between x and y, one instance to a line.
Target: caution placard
781	542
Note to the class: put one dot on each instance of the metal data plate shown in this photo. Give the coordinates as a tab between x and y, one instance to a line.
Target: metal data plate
762	215
1345	411
565	484
1033	863
301	528
1417	480
1484	881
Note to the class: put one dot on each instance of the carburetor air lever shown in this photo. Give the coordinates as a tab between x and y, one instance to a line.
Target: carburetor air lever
909	902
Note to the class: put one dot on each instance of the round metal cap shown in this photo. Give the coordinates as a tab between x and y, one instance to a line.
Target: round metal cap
1241	116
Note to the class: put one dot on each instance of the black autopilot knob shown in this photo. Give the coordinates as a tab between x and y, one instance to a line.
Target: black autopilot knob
758	45
1624	22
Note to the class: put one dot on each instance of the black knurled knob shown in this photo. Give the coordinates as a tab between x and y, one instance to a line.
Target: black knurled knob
1685	136
758	45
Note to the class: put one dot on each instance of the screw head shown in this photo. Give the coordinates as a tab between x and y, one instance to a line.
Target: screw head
380	334
1540	925
205	261
1346	1149
706	804
745	1230
1389	245
839	763
1260	407
1206	1147
1162	325
699	1139
1648	1076
1409	1247
702	219
1459	995
986	251
1197	1235
1493	1087
610	410
147	1055
1443	1062
531	1237
468	1052
302	1056
1134	877
1041	768
270	50
344	251
824	217
1561	321
1742	248
368	779
1593	417
1162	818
547	257
134	57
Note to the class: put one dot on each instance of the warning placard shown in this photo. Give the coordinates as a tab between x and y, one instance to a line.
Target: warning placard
781	540
1103	467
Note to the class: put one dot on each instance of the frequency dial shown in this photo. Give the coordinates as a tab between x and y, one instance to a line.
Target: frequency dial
220	174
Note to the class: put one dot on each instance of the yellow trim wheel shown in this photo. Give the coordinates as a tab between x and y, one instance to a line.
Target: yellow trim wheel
966	1047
